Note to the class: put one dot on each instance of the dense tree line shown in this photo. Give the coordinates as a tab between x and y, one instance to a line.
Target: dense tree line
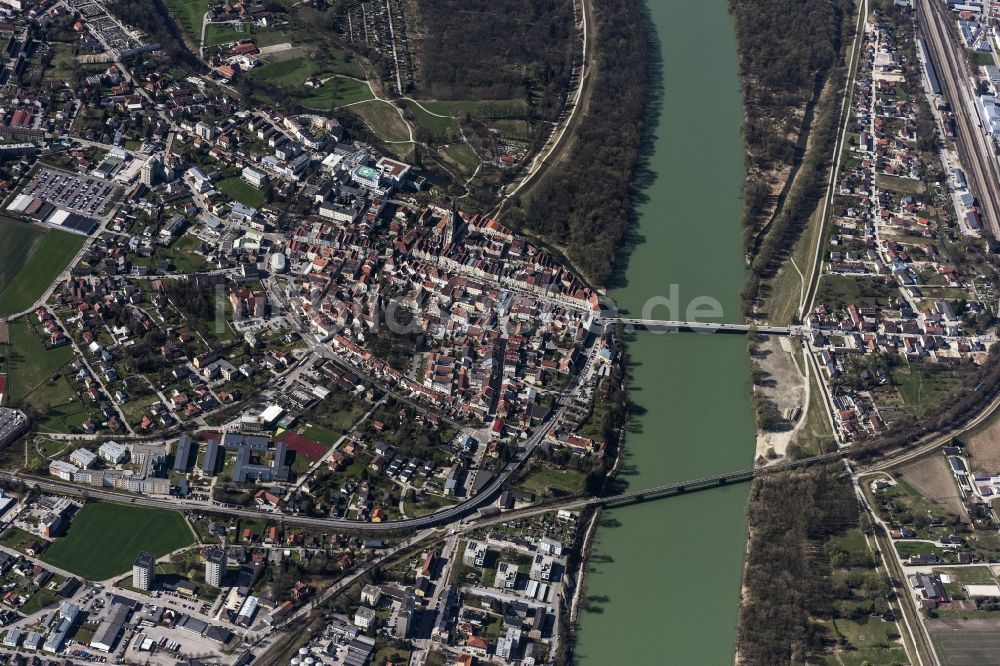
799	204
499	49
585	202
787	49
790	561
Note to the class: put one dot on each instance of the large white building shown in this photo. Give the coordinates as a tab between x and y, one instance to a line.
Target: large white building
150	171
68	614
364	617
113	452
204	130
254	177
215	566
84	458
144	571
989	113
63	470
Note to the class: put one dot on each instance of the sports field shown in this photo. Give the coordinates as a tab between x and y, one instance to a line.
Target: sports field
242	191
31	257
104	539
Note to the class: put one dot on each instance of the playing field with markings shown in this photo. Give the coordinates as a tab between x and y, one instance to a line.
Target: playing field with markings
104	539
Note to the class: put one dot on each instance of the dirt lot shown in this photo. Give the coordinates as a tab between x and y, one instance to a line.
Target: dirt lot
932	479
783	384
984	449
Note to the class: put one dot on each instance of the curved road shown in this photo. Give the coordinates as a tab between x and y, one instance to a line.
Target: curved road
450	515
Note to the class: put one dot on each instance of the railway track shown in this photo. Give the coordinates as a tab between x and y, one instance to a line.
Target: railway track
979	163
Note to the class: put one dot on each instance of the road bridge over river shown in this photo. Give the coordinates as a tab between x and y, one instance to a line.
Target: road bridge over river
663	325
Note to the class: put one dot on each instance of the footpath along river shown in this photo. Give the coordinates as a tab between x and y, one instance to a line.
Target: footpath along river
664	578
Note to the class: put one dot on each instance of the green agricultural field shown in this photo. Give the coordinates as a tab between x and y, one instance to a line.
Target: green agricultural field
923	385
189	15
30	364
429	504
512	129
871	641
342	62
19	241
545	480
343	85
902	185
242	191
292	72
59	408
61	66
959	647
104	539
336	92
383	119
908	548
442	126
843	290
463	155
181	252
509	108
982	59
223	33
269	36
64	418
30	259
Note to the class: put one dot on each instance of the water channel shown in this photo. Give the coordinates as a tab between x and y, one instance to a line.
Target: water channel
664	578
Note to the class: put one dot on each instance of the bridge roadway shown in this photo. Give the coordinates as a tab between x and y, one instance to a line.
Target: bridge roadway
437	519
700	326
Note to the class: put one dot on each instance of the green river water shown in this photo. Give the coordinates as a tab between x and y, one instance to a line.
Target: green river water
664	578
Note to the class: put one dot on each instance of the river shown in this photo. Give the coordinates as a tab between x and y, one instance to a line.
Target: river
664	578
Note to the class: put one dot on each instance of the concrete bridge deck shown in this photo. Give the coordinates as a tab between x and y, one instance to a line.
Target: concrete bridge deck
699	326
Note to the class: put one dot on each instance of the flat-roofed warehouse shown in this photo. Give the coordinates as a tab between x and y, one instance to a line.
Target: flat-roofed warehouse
111	628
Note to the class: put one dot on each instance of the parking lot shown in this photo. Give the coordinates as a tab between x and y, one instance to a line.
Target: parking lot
77	194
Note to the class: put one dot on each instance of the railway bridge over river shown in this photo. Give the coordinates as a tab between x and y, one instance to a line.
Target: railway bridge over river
669	489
